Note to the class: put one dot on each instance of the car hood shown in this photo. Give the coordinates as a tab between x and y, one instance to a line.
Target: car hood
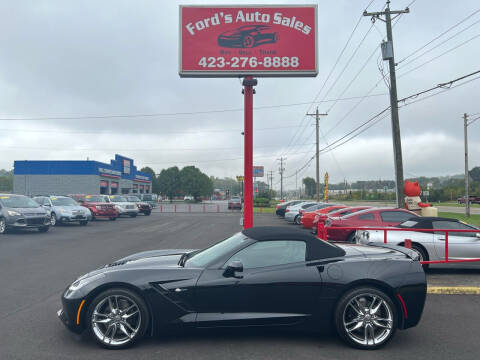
29	211
123	203
70	208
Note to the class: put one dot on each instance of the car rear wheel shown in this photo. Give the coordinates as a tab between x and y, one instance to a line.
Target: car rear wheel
53	219
422	254
148	213
3	226
117	318
366	318
248	41
133	215
297	220
113	218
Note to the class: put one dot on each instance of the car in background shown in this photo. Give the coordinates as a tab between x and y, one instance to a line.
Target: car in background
430	245
235	203
381	217
292	213
143	207
21	212
472	199
281	207
263	276
335	214
307	217
64	209
97	206
152	199
122	205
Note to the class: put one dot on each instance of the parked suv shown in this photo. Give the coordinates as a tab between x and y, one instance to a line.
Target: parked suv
143	207
21	212
64	209
148	198
97	206
235	203
122	205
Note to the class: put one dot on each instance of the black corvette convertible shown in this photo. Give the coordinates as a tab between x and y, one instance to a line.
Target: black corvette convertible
264	276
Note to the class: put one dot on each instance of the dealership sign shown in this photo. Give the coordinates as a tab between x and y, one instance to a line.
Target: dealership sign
260	40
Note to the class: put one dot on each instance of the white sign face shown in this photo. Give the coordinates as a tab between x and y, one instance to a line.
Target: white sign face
126	166
142	177
109	171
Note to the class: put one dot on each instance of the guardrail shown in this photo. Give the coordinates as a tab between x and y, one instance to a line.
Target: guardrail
193	208
322	233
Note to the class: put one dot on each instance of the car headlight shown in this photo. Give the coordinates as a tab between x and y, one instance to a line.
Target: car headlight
84	280
13	213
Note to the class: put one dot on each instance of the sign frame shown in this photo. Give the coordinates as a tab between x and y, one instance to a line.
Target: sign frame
241	73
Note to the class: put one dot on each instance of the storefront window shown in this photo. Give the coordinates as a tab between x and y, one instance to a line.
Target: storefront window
114	188
103	186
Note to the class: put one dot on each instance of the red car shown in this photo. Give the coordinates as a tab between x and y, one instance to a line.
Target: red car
377	217
308	217
335	214
97	205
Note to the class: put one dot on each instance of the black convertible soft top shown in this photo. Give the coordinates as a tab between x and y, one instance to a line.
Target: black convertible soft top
316	248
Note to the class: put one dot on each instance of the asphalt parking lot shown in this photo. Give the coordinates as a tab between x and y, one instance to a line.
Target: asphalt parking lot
35	268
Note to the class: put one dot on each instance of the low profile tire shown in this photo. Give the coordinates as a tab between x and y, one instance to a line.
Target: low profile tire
117	318
297	220
423	255
113	218
83	223
53	219
366	318
44	229
3	227
351	238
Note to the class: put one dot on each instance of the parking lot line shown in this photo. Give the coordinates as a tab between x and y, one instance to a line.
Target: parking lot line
454	290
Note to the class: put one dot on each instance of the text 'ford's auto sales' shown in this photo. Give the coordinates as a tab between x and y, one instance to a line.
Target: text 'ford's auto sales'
260	41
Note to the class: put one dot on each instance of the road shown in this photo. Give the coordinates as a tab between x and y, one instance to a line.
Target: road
35	268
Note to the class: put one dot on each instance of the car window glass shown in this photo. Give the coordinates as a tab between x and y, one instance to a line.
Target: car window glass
453	225
270	253
395	216
366	217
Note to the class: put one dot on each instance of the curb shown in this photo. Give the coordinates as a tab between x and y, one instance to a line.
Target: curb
454	290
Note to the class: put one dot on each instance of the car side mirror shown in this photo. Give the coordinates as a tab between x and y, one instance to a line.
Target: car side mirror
233	268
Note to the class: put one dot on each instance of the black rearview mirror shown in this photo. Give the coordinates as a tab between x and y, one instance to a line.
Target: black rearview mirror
233	268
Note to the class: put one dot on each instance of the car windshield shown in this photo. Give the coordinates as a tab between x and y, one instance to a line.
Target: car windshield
204	257
63	201
133	198
118	198
17	202
235	199
94	198
408	224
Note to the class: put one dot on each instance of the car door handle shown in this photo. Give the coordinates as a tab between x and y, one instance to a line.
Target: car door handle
441	239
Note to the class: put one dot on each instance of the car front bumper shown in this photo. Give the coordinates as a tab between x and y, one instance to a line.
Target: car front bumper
290	216
27	221
72	314
74	217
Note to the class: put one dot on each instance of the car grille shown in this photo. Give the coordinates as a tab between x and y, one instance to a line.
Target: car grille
130	207
35	221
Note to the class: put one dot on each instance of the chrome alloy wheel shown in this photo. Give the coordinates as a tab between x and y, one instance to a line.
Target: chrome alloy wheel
3	226
368	319
53	219
116	320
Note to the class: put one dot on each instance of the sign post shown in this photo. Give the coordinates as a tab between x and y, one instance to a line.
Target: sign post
248	41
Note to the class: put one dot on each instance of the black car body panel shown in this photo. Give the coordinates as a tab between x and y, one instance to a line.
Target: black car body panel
247	36
302	293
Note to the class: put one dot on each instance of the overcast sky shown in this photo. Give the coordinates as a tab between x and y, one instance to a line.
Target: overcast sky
81	58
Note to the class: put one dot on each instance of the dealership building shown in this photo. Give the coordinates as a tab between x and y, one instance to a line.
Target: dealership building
59	177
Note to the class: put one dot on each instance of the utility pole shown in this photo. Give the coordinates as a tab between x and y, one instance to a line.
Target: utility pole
387	53
270	180
317	153
281	169
465	134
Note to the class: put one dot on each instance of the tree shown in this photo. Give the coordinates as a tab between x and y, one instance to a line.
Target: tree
195	183
6	181
169	182
310	186
475	173
150	171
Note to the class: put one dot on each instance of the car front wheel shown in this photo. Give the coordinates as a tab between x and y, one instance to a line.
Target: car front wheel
366	318
3	226
117	318
53	219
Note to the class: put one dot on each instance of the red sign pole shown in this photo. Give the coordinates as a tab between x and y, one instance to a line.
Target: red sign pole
248	83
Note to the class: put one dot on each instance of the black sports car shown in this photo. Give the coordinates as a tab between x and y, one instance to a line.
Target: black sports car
247	36
263	276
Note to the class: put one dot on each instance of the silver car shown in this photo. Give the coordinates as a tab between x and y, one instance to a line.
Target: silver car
64	209
430	245
292	212
21	212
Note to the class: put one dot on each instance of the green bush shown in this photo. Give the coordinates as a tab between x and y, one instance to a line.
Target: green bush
259	201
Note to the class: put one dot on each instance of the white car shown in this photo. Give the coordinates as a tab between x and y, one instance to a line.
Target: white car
292	213
430	244
122	205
